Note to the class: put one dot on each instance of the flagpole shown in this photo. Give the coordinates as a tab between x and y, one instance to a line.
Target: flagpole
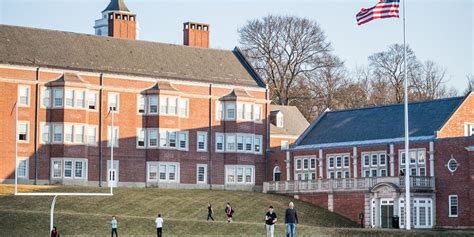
407	144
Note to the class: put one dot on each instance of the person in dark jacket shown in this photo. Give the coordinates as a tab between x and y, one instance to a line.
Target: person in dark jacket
210	211
229	211
291	220
54	232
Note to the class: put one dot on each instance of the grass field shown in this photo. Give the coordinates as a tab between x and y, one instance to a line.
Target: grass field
184	212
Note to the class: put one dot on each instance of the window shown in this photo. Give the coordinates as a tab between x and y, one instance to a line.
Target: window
337	165
172	139
219	142
172	173
383	159
57	169
366	160
453	205
346	161
305	164
240	143
230	142
248	112
469	129
201	141
298	164
141	137
230	175
113	101
57	133
257	143
152	137
417	162
68	133
163	105
219	110
91	136
240	111
152	104
452	165
69	94
80	97
201	173
91	100
163	138
58	97
79	133
331	162
46	97
162	172
153	172
23	131
374	160
248	143
23	95
141	104
230	111
375	164
257	113
183	140
22	168
183	108
338	162
284	145
45	133
312	163
239	174
248	175
78	169
279	120
172	103
113	138
68	169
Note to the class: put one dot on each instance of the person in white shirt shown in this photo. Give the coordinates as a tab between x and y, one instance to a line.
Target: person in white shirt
159	225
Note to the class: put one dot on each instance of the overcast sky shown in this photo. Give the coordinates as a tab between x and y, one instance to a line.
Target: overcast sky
439	30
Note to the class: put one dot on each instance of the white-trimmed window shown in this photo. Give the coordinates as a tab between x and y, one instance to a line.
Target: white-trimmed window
22	168
201	173
80	98
285	145
23	131
240	174
58	95
298	164
230	142
258	144
257	113
69	95
219	110
153	172
23	96
57	133
163	139
45	133
374	164
163	105
163	171
338	166
417	162
152	137
248	143
230	110
113	101
201	141
74	168
92	100
56	169
248	111
141	104
172	139
114	136
312	163
79	134
240	111
91	135
469	129
219	142
152	105
183	140
68	134
172	106
279	120
45	97
240	143
453	206
141	137
183	107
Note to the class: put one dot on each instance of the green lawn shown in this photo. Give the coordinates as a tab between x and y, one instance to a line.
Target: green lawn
184	212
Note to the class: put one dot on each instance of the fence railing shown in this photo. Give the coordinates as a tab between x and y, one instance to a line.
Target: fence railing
348	184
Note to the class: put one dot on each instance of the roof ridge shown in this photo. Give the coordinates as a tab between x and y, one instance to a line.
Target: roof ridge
397	104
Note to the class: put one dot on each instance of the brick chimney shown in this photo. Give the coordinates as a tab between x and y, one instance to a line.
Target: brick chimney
196	34
117	21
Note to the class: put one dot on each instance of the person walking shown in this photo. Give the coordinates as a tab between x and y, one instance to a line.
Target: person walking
270	220
229	211
210	212
114	224
291	220
54	232
159	226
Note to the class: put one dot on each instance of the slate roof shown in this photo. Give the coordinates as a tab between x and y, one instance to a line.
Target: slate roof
83	52
294	123
116	5
379	123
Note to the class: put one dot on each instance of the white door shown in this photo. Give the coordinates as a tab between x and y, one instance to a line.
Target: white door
113	174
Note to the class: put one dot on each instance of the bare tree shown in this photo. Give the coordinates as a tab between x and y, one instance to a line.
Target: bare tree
283	50
388	67
470	84
429	82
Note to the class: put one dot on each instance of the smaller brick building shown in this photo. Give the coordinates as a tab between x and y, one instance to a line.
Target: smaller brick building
353	163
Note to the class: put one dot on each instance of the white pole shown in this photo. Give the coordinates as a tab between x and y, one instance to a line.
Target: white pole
407	145
51	218
16	147
112	132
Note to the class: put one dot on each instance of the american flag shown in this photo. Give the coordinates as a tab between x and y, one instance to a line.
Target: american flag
383	9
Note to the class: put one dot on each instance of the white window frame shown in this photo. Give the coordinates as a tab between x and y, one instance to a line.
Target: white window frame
199	133
236	168
117	102
94	142
167	166
205	173
284	145
220	115
67	92
60	169
141	98
257	113
45	128
148	132
228	142
140	130
109	135
260	139
417	164
230	106
469	129
73	161
94	95
148	105
27	123
57	125
186	108
222	136
68	125
450	205
49	92
58	93
76	129
186	140
19	161
28	95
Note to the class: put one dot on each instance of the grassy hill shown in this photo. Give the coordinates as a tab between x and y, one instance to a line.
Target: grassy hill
184	212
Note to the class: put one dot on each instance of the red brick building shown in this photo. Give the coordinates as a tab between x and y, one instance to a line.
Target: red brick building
358	158
176	116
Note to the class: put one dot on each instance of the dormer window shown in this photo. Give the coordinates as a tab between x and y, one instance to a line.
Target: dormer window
279	120
469	129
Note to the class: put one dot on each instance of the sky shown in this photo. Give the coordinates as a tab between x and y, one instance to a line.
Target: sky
438	30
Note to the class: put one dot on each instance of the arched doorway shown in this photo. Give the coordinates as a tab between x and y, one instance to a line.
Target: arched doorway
276	173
